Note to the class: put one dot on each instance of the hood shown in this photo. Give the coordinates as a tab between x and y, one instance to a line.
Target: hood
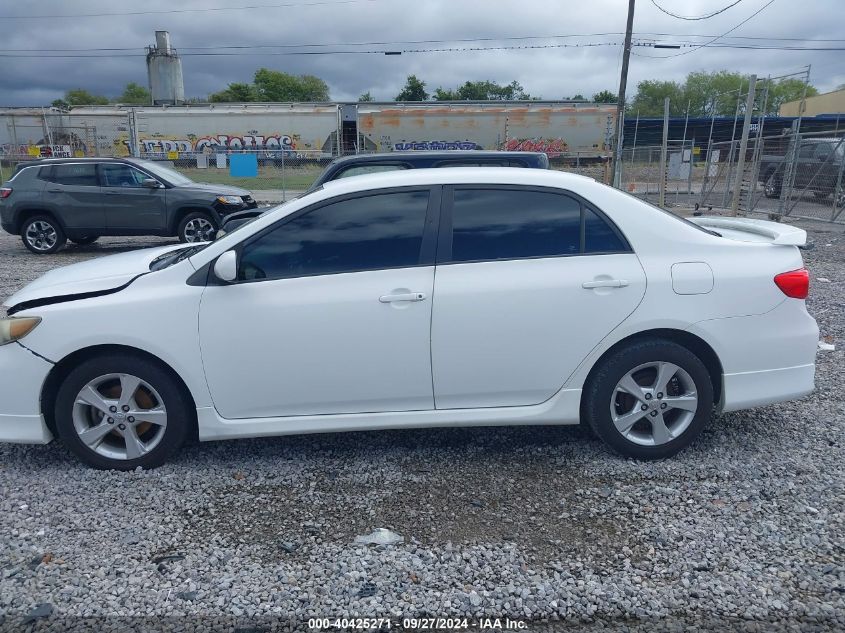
96	276
221	190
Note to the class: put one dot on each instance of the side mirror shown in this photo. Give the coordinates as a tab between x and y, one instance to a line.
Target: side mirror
150	183
226	267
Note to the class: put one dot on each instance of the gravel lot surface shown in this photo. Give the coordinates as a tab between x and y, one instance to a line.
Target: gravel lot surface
744	531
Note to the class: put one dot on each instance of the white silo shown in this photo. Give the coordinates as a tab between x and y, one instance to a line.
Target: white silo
164	71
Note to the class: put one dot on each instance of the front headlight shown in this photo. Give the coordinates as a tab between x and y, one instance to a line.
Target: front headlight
229	199
14	328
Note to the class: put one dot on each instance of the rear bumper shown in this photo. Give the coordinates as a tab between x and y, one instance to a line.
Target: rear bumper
765	358
22	374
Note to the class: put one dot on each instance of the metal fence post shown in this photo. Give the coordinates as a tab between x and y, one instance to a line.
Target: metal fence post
838	194
663	150
743	144
789	174
706	178
284	186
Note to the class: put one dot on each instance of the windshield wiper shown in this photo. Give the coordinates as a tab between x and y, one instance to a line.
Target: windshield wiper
169	259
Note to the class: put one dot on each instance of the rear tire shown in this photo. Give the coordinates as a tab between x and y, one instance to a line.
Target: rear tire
197	226
84	241
42	235
649	400
120	412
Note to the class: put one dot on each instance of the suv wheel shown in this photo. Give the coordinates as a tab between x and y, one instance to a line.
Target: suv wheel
197	227
772	186
42	235
649	400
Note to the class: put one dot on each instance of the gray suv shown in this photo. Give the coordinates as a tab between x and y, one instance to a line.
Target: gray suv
48	202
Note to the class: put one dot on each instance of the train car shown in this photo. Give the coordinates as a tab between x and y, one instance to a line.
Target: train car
556	128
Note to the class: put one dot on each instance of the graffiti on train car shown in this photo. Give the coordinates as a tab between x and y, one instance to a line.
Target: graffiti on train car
434	145
550	146
272	142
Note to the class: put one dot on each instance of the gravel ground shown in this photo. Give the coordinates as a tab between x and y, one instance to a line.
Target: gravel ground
744	531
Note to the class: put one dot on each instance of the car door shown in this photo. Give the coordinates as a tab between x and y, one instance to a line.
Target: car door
130	206
331	312
528	281
73	191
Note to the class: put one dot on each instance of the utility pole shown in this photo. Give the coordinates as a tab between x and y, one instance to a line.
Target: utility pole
743	144
620	107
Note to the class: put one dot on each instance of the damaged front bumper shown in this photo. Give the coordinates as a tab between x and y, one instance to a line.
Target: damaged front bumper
22	376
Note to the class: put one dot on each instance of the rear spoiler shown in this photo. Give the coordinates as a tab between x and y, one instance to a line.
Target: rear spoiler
750	230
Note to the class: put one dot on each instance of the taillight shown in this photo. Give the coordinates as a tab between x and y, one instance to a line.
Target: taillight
795	283
5	192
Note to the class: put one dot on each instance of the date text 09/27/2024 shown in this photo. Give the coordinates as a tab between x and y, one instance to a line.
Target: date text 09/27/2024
417	624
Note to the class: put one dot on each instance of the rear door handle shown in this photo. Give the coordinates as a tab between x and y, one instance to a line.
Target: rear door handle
605	283
405	296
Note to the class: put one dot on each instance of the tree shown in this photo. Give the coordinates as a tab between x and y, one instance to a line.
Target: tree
578	97
483	91
235	93
365	98
274	85
784	91
650	94
414	90
78	97
605	96
134	94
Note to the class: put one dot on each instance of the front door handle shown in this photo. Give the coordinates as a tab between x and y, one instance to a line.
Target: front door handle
404	296
605	283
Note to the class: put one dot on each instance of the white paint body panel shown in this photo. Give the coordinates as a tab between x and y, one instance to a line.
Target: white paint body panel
505	333
326	355
319	345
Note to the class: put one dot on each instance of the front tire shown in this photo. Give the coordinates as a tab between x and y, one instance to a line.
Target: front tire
197	227
120	412
649	399
42	235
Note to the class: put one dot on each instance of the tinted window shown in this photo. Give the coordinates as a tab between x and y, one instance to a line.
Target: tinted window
74	174
509	224
117	175
367	233
599	236
807	150
360	170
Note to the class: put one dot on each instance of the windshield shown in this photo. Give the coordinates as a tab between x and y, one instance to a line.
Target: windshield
175	256
170	175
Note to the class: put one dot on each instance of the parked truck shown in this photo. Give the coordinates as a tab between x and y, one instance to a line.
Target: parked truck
817	167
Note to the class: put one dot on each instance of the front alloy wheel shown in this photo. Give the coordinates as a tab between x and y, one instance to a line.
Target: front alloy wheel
197	227
119	416
121	412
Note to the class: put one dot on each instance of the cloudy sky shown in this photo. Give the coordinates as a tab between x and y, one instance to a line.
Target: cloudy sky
552	73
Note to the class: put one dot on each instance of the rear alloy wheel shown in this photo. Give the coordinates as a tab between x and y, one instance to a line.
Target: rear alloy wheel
42	235
85	241
649	400
121	413
197	227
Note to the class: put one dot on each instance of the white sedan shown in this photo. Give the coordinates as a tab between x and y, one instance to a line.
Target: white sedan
447	297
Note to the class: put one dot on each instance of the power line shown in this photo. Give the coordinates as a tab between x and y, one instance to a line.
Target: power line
364	52
170	11
728	32
440	41
700	17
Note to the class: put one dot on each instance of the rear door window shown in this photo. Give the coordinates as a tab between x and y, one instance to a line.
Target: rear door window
75	174
495	223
